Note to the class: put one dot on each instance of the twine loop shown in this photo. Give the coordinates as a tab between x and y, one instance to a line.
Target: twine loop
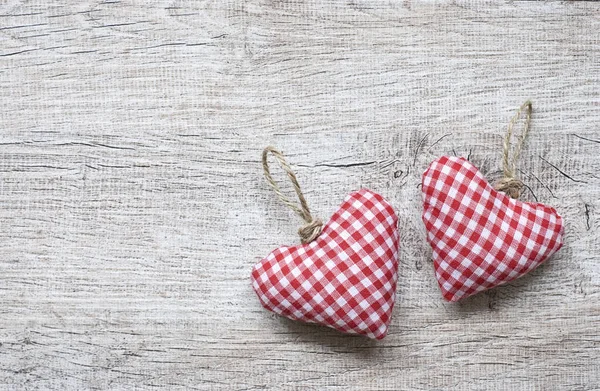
510	184
312	229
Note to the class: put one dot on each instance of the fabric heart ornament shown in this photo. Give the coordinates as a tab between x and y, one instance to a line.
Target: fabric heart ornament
345	278
481	237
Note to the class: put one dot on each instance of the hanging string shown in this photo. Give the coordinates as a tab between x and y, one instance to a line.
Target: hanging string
312	229
510	184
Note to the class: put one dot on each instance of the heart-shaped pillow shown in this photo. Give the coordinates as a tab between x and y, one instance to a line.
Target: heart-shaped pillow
344	279
482	238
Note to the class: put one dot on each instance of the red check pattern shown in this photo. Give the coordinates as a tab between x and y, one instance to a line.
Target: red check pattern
346	278
482	238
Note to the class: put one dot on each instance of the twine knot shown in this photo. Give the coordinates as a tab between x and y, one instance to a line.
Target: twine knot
310	231
511	186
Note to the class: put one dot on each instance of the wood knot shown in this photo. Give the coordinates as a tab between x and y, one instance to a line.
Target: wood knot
310	231
511	186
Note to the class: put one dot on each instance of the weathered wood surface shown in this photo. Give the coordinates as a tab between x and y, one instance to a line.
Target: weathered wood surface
132	202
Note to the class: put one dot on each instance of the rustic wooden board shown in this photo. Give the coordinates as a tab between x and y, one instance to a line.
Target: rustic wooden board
132	202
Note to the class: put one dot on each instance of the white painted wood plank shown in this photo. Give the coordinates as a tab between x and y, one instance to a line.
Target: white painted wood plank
133	204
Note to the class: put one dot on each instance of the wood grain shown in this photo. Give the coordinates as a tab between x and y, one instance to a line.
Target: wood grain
132	202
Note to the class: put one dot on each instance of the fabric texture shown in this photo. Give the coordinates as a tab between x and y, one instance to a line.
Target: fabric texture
346	278
482	238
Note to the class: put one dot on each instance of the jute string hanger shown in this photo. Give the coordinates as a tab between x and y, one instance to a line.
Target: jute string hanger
312	229
510	184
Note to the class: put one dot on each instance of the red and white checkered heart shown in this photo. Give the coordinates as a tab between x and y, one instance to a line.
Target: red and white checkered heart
346	278
482	238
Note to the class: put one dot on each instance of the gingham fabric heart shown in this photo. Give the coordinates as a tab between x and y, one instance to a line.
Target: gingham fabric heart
346	278
481	238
